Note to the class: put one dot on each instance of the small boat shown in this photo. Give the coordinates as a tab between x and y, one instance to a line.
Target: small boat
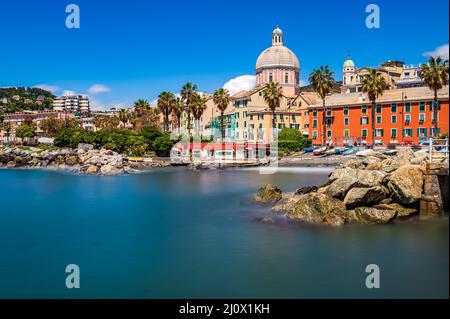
309	149
351	151
339	150
365	153
320	151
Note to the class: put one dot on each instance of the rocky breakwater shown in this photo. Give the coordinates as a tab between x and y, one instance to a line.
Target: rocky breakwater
85	159
375	189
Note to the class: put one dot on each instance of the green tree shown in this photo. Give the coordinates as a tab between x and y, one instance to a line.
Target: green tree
373	84
26	132
165	104
222	99
124	116
322	82
177	109
187	91
435	74
292	140
198	108
163	144
273	93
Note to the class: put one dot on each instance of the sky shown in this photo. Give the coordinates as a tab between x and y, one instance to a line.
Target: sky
128	50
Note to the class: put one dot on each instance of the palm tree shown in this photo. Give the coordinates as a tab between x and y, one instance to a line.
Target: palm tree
165	102
177	109
198	108
373	84
273	93
140	106
99	122
186	92
124	116
322	82
222	99
435	75
7	129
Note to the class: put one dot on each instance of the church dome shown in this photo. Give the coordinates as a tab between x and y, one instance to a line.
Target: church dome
277	56
349	63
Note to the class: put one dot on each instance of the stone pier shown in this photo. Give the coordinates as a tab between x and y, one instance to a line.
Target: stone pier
435	197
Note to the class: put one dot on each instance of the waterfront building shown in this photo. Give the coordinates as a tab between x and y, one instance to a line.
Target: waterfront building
77	104
402	116
14	120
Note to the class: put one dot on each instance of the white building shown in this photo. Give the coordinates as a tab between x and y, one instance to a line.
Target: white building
72	103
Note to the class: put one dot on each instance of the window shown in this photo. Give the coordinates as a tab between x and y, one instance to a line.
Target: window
364	120
379	109
407	118
251	117
432	103
292	126
422	117
293	117
260	125
281	116
315	113
346	133
329	122
286	78
421	132
379	132
438	132
407	107
237	124
274	116
346	120
329	134
364	133
407	132
364	109
260	116
378	119
394	133
314	134
393	108
422	107
270	78
346	110
314	123
297	126
328	112
394	119
280	125
245	123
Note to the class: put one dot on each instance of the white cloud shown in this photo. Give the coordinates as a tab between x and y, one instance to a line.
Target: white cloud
69	92
48	87
240	83
441	51
98	88
304	83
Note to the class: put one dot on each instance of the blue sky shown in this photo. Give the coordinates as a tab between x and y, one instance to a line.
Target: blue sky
135	49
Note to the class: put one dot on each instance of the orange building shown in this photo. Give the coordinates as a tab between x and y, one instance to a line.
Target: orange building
402	116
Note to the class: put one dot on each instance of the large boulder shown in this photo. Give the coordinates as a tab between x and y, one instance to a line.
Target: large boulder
399	209
110	170
340	186
406	184
268	194
71	160
351	163
342	180
318	209
365	196
306	190
370	215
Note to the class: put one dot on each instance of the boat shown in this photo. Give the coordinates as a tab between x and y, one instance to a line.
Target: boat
309	149
320	151
351	151
366	153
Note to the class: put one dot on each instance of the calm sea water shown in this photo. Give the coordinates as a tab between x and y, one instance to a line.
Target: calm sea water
178	233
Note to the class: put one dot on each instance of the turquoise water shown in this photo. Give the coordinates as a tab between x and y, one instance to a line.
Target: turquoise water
176	233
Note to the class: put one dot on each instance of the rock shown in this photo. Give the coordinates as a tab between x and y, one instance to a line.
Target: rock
267	220
365	196
85	147
417	161
268	194
306	190
371	160
11	164
283	205
92	169
71	160
367	178
110	170
405	152
406	184
339	187
375	166
369	215
351	163
399	209
317	209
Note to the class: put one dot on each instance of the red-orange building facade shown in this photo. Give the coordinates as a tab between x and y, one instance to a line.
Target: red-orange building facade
401	116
